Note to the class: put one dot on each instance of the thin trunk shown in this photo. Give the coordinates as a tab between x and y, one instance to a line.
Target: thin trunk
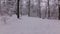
0	5
18	8
59	13
59	8
48	10
29	8
39	9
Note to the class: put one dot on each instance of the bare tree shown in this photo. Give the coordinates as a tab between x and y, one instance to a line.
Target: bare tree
48	9
59	8
59	13
18	8
29	8
0	5
39	12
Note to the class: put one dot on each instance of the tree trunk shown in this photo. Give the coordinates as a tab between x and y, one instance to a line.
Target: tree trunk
29	8
39	9
0	5
48	10
59	13
18	8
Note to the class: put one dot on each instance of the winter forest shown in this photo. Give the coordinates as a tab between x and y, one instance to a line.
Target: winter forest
29	16
48	9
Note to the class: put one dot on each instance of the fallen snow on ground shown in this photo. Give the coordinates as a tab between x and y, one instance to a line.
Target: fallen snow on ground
30	25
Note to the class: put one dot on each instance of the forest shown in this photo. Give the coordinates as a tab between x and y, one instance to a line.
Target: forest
29	16
48	9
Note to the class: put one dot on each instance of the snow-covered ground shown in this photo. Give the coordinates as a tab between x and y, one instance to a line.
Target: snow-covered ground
29	25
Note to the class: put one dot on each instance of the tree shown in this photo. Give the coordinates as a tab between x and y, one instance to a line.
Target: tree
18	8
0	5
59	9
59	13
39	9
29	8
48	10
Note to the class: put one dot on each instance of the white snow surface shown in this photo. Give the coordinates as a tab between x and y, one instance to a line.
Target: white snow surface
29	25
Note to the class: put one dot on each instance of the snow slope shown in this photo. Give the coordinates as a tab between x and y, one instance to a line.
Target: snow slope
30	25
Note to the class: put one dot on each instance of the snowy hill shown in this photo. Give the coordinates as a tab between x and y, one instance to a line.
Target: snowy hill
29	25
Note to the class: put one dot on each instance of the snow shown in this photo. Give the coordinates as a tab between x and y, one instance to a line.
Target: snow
29	25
